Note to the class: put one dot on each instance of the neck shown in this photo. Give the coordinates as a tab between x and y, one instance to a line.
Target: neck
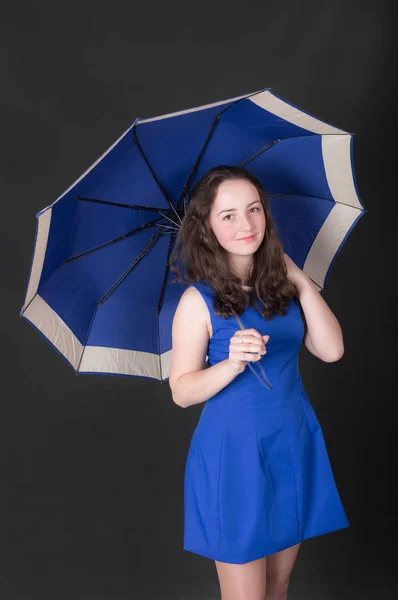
242	268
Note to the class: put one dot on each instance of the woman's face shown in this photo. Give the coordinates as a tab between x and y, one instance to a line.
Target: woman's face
237	212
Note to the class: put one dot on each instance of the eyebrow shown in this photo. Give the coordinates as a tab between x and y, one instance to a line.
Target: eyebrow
228	209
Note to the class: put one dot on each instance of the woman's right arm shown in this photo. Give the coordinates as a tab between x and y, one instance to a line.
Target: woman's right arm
189	381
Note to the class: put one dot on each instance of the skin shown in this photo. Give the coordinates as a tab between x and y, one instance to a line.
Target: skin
266	578
230	226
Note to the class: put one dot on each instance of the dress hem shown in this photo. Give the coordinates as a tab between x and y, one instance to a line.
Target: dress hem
225	558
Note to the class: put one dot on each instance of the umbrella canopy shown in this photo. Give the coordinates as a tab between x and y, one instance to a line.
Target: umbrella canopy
98	287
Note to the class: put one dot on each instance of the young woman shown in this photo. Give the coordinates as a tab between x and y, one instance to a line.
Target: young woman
258	479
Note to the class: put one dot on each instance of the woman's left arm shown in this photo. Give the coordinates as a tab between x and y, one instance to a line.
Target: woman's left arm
323	335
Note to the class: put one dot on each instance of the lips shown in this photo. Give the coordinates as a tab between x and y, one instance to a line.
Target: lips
247	239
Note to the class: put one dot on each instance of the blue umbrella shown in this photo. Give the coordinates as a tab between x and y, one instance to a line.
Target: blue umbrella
98	287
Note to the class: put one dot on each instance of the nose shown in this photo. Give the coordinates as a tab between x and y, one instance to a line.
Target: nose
244	226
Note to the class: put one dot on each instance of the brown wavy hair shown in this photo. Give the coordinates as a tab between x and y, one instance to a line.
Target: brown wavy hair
200	255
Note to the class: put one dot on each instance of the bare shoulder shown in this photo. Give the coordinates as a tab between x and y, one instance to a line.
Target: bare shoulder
193	299
190	335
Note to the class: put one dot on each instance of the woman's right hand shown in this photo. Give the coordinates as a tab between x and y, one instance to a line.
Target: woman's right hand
246	345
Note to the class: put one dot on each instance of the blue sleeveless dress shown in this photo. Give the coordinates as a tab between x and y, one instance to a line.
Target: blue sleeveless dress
257	476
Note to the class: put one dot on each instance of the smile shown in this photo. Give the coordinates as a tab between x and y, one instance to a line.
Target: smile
247	239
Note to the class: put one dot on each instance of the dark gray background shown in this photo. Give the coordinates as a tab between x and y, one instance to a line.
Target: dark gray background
91	467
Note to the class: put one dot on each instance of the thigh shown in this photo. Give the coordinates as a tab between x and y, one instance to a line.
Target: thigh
280	564
239	582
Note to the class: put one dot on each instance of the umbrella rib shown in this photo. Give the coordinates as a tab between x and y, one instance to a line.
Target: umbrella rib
260	151
114	286
274	142
207	140
318	198
136	261
199	157
314	282
118	239
162	189
252	157
196	163
128	234
134	206
295	137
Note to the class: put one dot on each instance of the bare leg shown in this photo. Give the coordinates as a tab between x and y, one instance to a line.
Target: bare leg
279	567
241	582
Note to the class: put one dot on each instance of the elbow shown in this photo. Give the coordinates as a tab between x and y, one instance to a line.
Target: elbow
177	400
337	355
179	403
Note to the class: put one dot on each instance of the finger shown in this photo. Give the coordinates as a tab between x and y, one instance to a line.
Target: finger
254	348
248	333
253	344
254	332
251	356
248	338
246	356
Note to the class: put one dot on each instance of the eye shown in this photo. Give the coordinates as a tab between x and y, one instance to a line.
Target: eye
230	215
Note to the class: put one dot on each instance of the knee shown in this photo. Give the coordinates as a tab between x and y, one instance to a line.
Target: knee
278	581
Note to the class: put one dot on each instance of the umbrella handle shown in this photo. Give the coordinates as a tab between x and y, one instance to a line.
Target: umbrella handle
267	383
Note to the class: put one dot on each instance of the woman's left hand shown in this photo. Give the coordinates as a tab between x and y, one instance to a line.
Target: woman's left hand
294	273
